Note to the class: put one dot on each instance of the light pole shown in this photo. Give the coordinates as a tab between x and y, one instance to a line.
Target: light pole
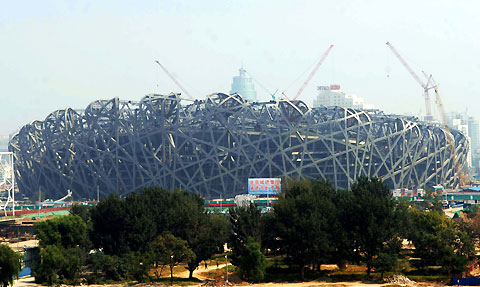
226	262
171	270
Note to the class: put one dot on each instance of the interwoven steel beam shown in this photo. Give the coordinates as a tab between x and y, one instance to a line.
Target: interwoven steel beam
212	146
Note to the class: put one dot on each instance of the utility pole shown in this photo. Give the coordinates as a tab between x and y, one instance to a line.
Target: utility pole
39	200
226	262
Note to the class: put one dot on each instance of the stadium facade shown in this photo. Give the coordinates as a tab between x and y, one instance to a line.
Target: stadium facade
213	146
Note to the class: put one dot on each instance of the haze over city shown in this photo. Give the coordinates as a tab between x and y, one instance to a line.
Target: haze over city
61	54
239	143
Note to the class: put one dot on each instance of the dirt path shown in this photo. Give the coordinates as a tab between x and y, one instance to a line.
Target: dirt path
200	273
28	281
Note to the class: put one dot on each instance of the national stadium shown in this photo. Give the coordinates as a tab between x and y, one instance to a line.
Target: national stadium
213	146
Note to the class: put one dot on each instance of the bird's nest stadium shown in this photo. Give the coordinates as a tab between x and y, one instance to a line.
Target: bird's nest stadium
213	146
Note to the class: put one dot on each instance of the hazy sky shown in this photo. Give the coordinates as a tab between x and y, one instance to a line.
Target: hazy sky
58	54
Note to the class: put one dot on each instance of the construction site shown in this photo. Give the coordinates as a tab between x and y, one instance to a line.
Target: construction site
212	146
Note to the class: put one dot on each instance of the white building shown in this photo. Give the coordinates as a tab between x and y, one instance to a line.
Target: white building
459	122
333	96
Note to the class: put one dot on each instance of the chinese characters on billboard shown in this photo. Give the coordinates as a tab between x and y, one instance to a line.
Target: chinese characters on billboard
260	186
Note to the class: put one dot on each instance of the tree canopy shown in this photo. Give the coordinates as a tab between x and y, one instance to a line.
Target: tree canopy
310	224
9	265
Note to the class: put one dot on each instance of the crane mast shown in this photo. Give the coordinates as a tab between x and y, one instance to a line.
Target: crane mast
426	88
463	180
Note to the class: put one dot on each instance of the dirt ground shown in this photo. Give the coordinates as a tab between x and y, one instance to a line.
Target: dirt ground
214	272
28	282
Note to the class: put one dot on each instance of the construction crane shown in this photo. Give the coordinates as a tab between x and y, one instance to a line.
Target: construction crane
322	59
175	80
462	178
324	56
262	86
426	87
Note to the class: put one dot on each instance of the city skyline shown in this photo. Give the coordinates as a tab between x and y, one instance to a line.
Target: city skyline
68	54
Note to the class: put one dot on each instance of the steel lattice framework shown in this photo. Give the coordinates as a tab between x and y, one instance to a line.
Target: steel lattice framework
212	146
7	182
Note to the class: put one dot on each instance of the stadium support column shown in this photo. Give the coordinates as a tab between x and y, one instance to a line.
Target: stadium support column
117	140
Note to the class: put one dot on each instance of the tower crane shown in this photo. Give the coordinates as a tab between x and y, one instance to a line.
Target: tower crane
426	87
263	87
322	59
463	179
314	71
175	80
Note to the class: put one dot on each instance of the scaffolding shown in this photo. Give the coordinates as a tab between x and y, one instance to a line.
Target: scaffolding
7	182
212	146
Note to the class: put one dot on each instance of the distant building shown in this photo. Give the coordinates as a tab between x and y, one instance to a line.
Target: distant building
473	132
4	143
243	85
332	96
459	121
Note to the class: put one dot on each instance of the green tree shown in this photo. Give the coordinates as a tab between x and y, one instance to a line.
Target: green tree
9	265
387	259
128	225
245	223
438	243
109	230
306	223
252	262
207	239
52	261
64	231
431	201
112	267
171	250
140	228
371	222
82	211
59	265
137	265
63	248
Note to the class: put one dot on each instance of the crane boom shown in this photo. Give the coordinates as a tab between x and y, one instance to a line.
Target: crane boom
263	87
175	80
405	64
426	88
324	56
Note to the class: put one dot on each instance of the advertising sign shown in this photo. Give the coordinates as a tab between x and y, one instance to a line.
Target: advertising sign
407	192
328	88
260	186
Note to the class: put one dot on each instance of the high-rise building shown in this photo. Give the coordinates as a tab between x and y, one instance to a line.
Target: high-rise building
459	121
473	132
330	96
243	85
